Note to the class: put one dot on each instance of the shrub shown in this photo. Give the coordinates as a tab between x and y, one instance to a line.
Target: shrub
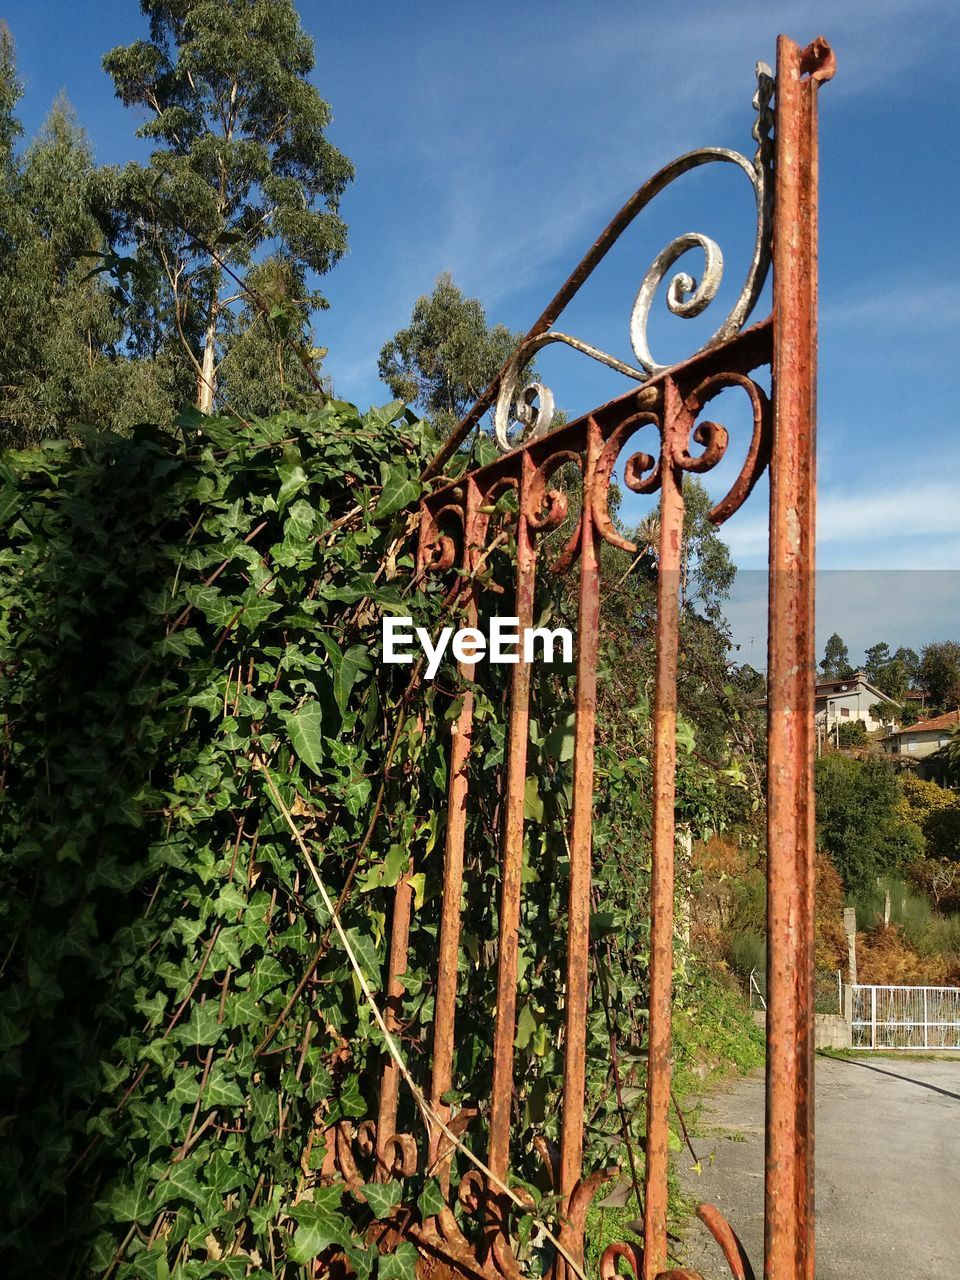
746	951
884	956
858	823
853	734
939	878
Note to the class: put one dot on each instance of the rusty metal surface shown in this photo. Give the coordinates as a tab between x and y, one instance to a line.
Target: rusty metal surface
578	901
461	733
396	968
728	1240
501	1093
666	414
685	297
655	1189
789	1245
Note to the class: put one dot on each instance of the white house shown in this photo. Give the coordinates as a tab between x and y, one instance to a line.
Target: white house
840	702
916	741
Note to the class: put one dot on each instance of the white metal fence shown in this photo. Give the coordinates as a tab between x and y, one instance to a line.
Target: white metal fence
906	1017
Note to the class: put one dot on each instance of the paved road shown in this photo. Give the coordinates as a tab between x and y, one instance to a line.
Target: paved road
888	1170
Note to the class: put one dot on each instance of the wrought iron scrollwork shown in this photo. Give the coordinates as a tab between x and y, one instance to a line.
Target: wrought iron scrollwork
685	296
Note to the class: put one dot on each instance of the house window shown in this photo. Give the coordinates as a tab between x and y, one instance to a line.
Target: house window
845	711
911	746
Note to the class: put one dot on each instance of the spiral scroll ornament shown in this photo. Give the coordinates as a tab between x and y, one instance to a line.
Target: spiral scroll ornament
685	296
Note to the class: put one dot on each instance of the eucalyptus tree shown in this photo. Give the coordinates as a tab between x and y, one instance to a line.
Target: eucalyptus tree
242	171
445	357
11	90
61	357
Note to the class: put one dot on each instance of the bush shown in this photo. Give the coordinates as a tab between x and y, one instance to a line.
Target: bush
830	937
746	951
942	832
939	879
853	734
884	956
858	823
171	616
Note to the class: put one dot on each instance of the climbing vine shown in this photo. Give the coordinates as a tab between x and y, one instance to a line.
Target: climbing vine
183	617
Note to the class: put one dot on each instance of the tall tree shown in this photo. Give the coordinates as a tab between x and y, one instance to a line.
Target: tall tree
950	755
911	661
262	371
11	90
860	822
875	659
835	663
243	171
890	672
59	329
940	674
707	570
446	355
10	130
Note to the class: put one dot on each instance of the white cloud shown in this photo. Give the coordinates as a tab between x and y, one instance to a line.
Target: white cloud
871	523
904	307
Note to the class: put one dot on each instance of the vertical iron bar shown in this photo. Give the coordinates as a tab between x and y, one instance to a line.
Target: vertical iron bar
664	835
397	967
501	1097
789	1251
578	907
457	786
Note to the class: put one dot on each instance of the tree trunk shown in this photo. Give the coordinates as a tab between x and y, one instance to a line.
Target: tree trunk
207	382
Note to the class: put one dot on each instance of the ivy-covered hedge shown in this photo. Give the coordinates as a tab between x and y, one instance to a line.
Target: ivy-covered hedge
178	1023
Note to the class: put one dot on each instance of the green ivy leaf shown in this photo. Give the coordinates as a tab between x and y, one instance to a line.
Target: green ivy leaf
400	490
181	1183
383	1197
526	1025
300	521
130	1203
293	478
352	663
202	1027
431	1200
222	1089
399	1265
217	608
317	1230
305	728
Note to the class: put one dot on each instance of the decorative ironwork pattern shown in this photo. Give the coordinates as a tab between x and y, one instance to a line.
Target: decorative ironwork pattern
685	296
662	430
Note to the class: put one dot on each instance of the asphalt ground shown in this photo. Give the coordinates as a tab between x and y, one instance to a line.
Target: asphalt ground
887	1170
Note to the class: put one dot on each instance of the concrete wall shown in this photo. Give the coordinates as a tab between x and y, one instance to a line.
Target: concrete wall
923	743
833	1031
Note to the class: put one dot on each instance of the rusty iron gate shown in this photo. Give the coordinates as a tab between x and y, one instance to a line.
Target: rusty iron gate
666	406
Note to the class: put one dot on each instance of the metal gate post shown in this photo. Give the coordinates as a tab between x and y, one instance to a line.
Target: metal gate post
790	803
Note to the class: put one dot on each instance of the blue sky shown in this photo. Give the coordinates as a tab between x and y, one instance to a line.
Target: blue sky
494	140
